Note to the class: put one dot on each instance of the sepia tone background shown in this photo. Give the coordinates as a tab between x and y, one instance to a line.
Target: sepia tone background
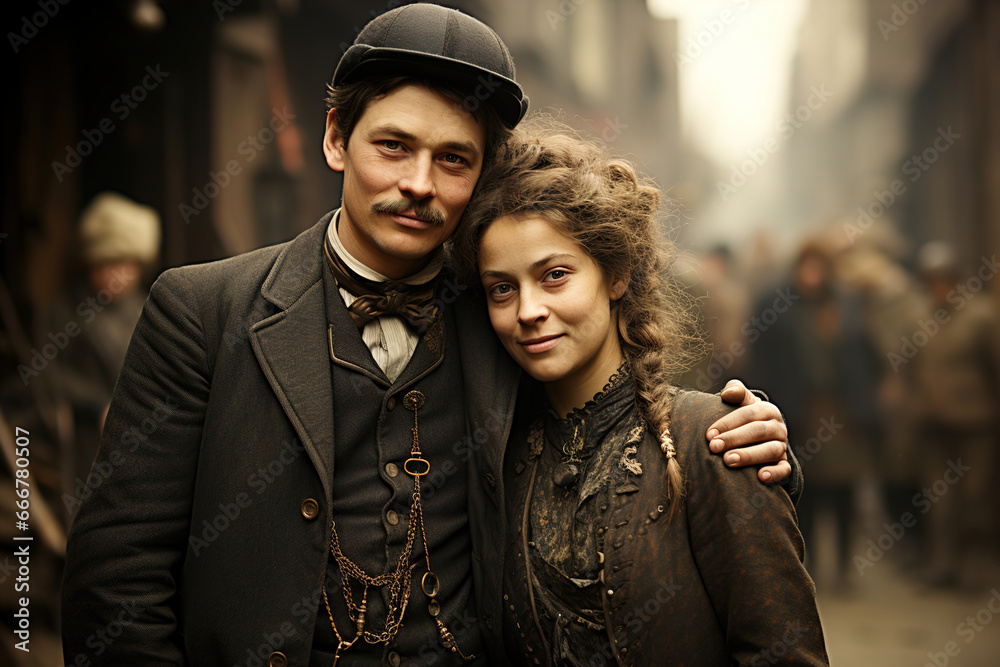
852	131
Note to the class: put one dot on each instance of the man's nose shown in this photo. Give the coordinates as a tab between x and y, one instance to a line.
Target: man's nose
418	181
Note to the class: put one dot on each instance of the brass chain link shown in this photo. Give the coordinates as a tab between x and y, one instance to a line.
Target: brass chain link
399	580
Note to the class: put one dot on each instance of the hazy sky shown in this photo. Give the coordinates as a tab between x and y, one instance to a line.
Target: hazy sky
734	61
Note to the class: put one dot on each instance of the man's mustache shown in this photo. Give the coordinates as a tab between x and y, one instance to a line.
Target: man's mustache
414	210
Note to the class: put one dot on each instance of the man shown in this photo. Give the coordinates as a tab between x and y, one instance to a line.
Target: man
298	459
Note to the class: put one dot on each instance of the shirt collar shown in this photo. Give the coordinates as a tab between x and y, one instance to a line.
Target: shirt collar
425	275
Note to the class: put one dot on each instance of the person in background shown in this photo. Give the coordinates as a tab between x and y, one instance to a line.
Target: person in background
119	244
816	355
956	374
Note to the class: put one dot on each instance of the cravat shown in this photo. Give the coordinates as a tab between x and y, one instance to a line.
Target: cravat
392	297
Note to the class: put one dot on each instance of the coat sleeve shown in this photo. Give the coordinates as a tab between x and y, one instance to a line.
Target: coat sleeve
748	551
128	541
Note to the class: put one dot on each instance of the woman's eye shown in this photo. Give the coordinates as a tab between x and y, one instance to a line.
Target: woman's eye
451	158
557	274
501	290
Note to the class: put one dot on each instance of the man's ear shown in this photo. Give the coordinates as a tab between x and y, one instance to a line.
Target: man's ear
333	143
618	288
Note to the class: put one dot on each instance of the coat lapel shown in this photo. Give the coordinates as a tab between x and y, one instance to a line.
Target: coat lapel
292	346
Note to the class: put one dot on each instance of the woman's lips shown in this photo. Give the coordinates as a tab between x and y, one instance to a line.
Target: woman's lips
540	344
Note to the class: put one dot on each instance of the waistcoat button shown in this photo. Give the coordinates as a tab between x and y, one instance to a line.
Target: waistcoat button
391	469
277	659
394	659
310	508
392	517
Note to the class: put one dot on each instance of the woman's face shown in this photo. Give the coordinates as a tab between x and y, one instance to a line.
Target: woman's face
549	303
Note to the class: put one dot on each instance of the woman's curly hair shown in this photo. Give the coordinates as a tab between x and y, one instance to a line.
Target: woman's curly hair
547	170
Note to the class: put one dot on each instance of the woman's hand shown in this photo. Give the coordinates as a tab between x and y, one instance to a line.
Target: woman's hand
753	434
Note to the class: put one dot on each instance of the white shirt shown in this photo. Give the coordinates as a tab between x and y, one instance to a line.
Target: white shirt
390	340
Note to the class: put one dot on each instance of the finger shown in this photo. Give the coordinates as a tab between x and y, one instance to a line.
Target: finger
764	452
762	411
779	472
750	434
736	393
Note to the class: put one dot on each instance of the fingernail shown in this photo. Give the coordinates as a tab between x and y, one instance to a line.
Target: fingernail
732	458
766	475
716	445
712	432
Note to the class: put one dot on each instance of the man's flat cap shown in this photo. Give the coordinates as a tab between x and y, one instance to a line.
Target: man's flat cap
437	42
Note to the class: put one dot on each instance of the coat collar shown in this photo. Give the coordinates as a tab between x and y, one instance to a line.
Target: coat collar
291	345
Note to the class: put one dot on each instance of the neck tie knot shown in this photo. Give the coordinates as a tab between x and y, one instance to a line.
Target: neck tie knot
374	299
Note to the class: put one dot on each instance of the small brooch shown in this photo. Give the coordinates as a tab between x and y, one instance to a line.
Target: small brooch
629	463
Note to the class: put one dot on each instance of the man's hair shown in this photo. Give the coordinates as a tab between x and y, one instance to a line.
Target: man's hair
352	100
600	202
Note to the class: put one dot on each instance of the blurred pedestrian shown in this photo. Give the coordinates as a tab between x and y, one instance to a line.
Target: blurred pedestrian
956	368
119	242
815	357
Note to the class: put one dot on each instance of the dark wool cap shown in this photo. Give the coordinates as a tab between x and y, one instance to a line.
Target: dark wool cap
441	43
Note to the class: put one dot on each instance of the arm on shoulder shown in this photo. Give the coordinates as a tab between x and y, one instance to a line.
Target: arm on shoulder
754	434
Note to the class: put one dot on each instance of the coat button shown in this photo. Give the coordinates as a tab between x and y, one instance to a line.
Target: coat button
277	659
394	659
392	517
391	469
391	403
310	508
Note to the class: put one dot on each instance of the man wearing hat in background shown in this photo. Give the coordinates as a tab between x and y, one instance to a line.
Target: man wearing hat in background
300	434
119	242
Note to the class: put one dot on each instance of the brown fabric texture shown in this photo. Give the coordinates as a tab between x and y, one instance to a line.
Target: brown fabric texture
721	583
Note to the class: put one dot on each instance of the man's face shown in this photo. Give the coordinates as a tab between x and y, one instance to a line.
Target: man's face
409	167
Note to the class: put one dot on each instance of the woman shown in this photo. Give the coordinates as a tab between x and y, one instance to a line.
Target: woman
633	543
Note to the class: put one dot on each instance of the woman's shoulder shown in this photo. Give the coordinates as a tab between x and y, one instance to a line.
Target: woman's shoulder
691	414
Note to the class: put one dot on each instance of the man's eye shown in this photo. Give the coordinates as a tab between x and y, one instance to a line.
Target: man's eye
392	145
